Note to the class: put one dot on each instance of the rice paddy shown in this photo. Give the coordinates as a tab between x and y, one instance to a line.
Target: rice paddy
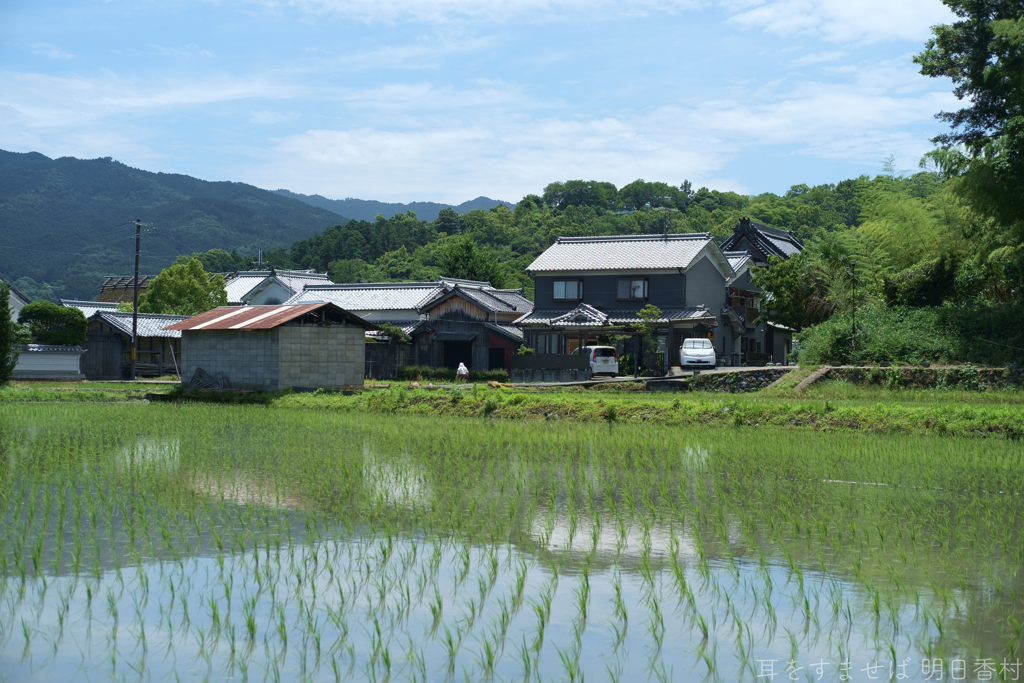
204	542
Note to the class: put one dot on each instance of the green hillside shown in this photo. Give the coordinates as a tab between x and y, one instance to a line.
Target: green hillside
64	222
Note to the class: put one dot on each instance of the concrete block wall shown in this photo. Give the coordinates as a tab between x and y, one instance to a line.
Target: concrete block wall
313	356
249	358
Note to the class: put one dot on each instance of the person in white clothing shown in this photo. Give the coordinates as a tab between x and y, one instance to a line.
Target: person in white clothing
462	374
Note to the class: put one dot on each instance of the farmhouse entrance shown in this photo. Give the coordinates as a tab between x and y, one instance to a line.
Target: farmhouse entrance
456	352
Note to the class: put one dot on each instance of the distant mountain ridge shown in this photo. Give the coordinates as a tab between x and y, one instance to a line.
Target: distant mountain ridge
65	221
367	209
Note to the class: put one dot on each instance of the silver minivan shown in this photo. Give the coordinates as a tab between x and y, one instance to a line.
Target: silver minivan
604	360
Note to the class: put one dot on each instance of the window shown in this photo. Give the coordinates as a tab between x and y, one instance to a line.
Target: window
568	290
697	344
634	289
547	343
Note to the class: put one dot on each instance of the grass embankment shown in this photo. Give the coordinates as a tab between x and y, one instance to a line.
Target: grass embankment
104	392
831	405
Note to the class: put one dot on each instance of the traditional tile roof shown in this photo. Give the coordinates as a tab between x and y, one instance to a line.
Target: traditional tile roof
612	317
409	328
415	296
239	284
621	252
89	307
764	239
510	331
149	324
482	294
370	296
15	293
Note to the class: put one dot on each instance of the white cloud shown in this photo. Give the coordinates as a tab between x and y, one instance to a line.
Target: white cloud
489	10
48	100
502	151
861	21
51	51
818	58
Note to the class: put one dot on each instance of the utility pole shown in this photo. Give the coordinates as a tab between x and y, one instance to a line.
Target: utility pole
135	301
853	316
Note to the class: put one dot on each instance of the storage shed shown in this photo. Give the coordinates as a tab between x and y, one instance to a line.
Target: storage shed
305	346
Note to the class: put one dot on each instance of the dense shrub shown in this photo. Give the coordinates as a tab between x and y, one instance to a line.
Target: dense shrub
53	324
416	373
898	334
8	357
992	334
929	283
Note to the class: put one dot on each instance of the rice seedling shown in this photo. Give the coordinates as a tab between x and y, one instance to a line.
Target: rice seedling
391	547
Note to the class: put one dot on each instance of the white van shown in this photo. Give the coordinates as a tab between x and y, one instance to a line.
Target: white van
604	360
697	351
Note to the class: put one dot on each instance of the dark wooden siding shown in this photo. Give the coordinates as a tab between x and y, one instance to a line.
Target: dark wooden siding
665	290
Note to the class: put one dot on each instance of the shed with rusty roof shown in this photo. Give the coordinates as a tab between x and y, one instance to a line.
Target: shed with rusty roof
271	348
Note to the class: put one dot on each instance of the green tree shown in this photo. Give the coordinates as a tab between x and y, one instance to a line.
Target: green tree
797	296
349	270
53	324
184	289
8	333
461	258
983	54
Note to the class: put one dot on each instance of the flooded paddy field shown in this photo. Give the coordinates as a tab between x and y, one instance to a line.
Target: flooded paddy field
196	542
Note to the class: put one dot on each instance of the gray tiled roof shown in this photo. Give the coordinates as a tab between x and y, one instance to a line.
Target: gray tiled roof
88	308
609	317
488	298
621	252
508	330
389	296
241	283
371	296
767	240
150	324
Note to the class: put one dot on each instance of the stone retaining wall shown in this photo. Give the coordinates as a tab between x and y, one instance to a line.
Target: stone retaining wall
530	375
966	377
723	382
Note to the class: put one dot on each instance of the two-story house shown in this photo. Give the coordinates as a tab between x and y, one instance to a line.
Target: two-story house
759	340
588	287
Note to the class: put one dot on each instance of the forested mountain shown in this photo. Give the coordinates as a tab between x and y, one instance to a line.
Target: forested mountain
889	222
64	222
367	210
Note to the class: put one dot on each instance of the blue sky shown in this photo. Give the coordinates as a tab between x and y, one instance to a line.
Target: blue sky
446	100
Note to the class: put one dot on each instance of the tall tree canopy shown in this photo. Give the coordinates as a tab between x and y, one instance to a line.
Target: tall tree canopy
983	54
184	289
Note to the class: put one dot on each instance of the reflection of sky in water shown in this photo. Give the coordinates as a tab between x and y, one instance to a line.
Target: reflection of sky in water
333	608
333	590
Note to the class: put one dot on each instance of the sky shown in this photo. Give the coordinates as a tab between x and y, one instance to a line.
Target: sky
447	100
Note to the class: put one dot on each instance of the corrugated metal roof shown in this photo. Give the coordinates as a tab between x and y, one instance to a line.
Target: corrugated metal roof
258	317
149	325
613	317
621	252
